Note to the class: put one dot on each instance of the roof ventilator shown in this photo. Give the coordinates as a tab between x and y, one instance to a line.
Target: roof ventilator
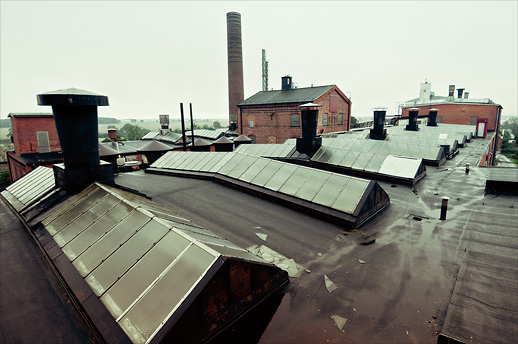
309	143
378	133
75	114
412	119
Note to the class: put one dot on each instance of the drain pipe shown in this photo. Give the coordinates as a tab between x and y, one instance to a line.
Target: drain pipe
444	207
467	168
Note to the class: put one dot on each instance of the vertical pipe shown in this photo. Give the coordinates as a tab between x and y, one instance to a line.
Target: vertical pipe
183	128
444	207
192	124
467	168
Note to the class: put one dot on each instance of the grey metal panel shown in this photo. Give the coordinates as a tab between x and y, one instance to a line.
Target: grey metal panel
134	282
351	195
362	161
309	190
215	158
400	166
86	219
97	230
267	173
254	170
204	159
222	162
296	180
109	243
242	166
280	177
75	211
107	273
194	159
153	309
331	189
349	158
231	164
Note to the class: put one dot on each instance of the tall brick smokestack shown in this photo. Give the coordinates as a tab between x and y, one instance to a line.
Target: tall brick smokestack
236	92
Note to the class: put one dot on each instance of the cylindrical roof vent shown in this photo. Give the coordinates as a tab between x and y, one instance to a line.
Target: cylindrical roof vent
459	92
286	83
378	132
451	91
412	119
432	117
75	114
309	143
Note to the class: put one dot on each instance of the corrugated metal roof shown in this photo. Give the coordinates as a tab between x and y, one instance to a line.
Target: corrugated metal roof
297	95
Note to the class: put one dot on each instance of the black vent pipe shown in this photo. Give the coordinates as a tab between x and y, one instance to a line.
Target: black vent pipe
75	115
432	117
379	133
309	143
412	119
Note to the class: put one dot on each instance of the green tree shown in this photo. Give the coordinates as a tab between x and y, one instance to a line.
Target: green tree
512	125
354	121
216	125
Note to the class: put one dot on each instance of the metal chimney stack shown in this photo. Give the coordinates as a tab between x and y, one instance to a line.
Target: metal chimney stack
459	92
451	91
236	93
412	119
286	83
379	133
309	143
432	117
75	115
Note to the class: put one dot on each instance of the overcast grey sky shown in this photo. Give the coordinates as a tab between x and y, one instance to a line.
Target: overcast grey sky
147	57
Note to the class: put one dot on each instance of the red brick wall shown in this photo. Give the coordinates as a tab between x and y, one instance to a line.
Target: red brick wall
462	113
24	133
488	159
276	128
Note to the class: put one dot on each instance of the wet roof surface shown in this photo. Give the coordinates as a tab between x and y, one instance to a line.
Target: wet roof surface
404	287
420	275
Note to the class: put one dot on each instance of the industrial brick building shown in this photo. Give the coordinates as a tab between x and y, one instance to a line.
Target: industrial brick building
457	110
274	116
36	143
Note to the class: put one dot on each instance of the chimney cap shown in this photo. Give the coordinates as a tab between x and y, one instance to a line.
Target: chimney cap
310	105
433	109
413	109
72	97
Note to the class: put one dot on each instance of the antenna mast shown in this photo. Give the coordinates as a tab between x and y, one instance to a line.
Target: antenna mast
265	71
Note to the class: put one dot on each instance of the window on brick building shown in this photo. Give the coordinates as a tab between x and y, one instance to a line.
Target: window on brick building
439	119
340	118
251	124
324	119
295	120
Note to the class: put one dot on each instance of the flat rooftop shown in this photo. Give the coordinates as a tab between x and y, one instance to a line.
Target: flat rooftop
420	277
404	276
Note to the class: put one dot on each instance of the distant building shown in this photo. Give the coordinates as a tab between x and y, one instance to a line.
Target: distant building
36	143
456	110
274	116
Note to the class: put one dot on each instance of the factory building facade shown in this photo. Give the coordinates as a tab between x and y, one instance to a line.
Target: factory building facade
457	110
274	116
36	143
